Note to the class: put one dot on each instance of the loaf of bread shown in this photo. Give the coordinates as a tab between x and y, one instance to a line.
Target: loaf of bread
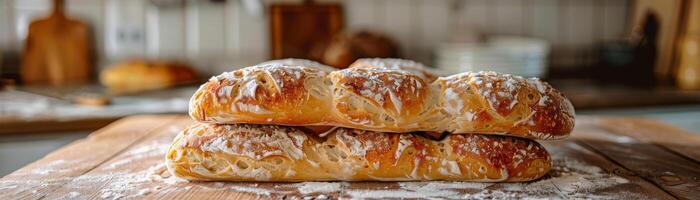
141	75
287	154
346	47
385	95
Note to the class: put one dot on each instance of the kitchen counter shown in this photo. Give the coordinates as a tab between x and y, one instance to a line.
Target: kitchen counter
50	109
683	116
589	95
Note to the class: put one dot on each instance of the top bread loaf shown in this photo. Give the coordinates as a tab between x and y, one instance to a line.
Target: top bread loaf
385	95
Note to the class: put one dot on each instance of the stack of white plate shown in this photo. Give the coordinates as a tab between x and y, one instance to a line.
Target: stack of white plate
506	54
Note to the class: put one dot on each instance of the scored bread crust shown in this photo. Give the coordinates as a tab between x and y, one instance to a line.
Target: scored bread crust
287	154
385	95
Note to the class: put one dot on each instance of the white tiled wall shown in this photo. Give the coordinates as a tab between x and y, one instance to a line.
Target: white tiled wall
166	31
125	22
5	23
216	36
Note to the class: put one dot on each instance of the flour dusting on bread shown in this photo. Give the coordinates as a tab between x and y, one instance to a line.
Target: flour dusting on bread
253	141
385	95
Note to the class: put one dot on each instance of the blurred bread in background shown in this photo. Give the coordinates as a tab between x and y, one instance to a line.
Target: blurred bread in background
141	75
346	47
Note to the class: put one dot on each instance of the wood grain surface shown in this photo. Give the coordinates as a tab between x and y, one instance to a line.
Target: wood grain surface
606	158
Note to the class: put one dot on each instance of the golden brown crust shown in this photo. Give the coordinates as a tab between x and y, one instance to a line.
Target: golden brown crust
492	102
276	153
283	94
387	93
396	96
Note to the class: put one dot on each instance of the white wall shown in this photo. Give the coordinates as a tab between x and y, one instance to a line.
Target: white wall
217	36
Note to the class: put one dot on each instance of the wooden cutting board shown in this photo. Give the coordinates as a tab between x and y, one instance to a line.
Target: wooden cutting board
606	157
303	30
57	50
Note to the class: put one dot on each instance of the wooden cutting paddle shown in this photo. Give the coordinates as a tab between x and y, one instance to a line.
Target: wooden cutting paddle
302	30
57	50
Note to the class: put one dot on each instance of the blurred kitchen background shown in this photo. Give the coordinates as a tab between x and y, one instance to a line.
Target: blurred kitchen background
86	63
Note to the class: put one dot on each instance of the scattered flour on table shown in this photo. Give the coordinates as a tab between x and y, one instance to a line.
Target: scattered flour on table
304	188
153	149
319	187
111	185
73	194
434	189
56	166
253	189
70	196
127	185
9	187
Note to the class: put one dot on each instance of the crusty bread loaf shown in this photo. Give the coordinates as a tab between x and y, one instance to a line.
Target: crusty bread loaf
141	75
385	95
283	154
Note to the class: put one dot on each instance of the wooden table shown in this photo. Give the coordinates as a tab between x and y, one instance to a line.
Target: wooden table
606	158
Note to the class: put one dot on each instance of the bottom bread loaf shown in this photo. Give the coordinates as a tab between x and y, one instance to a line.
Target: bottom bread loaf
288	154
